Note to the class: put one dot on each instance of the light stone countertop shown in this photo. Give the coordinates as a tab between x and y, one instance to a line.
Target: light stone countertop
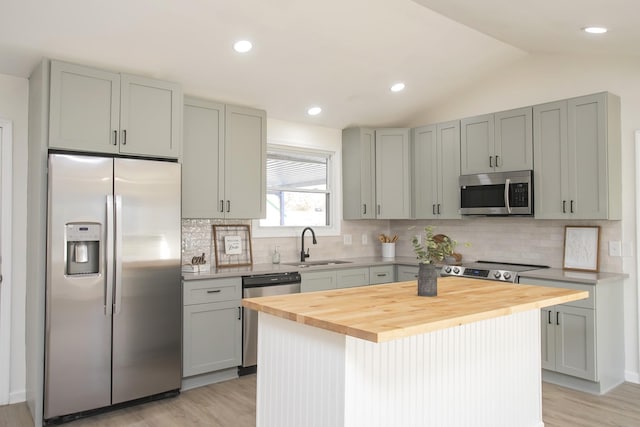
546	273
283	267
584	277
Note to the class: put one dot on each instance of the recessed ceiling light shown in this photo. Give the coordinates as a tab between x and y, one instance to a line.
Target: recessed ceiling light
314	111
595	30
397	87
242	46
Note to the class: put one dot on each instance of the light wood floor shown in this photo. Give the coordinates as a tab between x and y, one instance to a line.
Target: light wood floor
232	404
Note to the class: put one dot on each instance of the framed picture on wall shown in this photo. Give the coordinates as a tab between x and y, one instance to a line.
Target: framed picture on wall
232	245
581	248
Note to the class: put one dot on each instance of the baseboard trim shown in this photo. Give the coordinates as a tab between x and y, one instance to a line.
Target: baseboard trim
632	377
211	378
17	396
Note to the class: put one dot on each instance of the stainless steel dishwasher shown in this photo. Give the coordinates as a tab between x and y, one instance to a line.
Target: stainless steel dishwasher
261	286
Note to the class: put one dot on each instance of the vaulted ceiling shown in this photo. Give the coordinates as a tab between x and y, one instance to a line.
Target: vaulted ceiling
342	55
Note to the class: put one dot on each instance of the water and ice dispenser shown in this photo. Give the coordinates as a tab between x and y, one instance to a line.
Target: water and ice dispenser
83	248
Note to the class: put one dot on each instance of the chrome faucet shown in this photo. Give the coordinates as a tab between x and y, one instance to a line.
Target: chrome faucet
303	254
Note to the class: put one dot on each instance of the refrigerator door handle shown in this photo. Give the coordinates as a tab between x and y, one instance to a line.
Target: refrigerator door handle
109	269
117	290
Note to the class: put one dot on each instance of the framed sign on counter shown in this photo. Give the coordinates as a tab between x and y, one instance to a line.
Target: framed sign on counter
581	248
232	245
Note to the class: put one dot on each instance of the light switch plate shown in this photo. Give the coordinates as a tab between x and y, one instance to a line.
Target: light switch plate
615	248
347	239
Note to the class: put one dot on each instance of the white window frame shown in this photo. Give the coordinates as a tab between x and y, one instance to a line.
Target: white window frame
333	185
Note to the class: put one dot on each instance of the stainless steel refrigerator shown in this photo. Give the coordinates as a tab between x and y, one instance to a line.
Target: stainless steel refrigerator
113	297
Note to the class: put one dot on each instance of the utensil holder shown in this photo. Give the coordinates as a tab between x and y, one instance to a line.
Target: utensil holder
388	250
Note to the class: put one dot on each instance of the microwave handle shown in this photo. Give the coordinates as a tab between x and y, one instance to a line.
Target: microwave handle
507	183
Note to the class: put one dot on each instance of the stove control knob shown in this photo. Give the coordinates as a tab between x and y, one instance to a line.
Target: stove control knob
456	270
447	269
497	274
507	275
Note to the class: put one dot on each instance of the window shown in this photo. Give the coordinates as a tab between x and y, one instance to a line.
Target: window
298	188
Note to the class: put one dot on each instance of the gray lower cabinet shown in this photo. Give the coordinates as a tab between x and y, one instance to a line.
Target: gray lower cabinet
582	342
223	161
106	112
212	325
405	273
577	157
380	274
568	341
325	280
312	281
352	277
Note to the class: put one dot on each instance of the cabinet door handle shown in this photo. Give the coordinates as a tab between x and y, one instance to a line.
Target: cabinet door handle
549	317
228	205
433	208
564	206
124	137
497	161
221	205
490	161
214	291
364	209
557	318
438	208
239	313
382	274
378	209
115	137
571	207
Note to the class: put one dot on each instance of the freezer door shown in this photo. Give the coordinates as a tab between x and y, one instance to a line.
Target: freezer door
78	306
147	295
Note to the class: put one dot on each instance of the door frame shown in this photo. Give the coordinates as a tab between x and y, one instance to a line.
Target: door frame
6	132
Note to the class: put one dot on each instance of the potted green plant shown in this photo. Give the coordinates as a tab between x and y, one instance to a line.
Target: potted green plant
435	248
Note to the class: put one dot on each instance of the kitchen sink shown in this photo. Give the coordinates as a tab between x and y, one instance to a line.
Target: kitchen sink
316	263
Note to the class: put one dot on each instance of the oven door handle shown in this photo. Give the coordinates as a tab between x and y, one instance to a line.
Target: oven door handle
507	183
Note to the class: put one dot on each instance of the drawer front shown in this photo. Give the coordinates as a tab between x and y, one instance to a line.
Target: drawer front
352	277
212	290
584	303
381	274
406	273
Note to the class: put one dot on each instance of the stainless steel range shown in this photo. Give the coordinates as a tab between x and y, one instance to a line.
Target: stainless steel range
490	270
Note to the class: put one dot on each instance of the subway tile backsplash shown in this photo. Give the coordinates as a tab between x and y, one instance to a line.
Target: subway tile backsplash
520	240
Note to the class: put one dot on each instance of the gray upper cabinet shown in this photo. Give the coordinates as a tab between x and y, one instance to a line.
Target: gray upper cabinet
393	174
203	135
577	157
245	160
99	111
497	142
436	167
224	161
358	173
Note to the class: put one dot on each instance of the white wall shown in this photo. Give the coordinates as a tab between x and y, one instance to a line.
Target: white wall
14	95
542	78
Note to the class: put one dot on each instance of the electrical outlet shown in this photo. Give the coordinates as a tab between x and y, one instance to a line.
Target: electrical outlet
365	239
347	239
615	248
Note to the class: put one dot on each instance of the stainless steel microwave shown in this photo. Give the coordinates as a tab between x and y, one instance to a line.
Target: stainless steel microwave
497	193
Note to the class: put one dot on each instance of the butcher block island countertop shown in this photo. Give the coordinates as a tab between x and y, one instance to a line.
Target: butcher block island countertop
381	313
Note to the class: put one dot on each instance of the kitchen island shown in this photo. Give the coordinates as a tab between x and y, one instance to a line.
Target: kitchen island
382	356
